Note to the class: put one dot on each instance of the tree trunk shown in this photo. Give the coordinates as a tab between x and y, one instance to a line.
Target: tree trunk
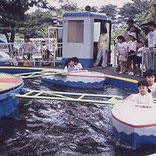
10	40
7	36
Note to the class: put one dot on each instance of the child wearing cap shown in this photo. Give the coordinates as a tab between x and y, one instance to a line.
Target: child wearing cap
132	48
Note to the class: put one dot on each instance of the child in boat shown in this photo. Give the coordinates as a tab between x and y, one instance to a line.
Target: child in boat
76	62
122	51
14	61
143	97
150	78
70	66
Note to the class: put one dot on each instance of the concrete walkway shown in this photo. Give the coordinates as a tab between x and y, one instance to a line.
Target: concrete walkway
110	71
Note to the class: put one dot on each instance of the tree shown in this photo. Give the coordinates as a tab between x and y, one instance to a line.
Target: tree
129	10
110	11
36	24
152	11
12	15
94	9
69	7
141	18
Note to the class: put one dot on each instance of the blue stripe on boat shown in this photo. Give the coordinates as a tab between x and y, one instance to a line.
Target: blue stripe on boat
134	139
8	103
75	84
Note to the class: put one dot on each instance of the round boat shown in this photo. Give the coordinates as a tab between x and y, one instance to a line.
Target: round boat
135	124
4	58
80	78
9	85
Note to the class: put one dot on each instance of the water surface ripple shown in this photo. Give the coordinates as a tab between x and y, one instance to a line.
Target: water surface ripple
61	128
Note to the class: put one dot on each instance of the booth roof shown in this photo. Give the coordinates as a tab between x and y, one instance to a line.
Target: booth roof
85	14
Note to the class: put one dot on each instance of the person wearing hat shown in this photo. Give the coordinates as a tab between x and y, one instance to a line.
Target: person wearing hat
132	48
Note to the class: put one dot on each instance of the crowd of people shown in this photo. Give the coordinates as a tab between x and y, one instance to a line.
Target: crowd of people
130	46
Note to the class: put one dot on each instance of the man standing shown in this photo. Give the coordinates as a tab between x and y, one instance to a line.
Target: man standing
151	36
131	28
27	49
150	57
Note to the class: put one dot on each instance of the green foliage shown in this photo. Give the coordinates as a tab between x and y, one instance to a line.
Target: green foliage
70	7
116	32
152	11
12	15
130	10
37	23
110	11
141	18
94	9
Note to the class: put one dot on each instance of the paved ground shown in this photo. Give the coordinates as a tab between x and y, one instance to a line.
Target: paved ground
110	71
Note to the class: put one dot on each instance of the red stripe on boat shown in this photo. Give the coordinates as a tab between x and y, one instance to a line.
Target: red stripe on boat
132	125
85	76
9	80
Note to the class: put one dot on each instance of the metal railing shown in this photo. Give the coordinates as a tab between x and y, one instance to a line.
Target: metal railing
148	59
55	51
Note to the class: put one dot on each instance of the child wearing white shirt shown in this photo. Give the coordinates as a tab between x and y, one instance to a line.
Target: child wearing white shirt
122	51
143	97
15	59
150	78
77	64
132	48
139	58
70	66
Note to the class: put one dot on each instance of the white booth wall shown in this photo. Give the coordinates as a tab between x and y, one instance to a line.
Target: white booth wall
82	48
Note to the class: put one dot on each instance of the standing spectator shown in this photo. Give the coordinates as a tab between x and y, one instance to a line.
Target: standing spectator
151	36
131	28
103	45
122	51
27	49
139	58
132	48
151	39
43	50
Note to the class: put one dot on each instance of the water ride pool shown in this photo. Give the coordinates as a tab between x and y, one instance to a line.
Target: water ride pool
43	127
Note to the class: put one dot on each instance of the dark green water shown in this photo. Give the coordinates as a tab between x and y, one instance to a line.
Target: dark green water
46	128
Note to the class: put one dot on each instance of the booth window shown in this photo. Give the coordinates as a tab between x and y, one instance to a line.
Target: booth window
75	31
